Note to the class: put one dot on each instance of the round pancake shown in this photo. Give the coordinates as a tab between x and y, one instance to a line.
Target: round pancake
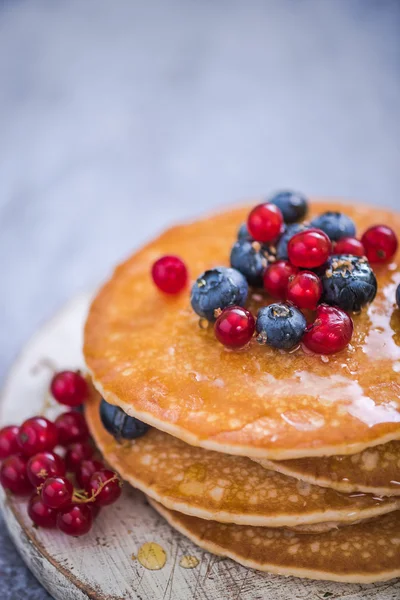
362	553
147	354
373	471
225	488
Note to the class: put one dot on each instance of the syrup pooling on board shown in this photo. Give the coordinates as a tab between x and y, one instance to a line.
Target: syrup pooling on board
152	556
188	562
148	355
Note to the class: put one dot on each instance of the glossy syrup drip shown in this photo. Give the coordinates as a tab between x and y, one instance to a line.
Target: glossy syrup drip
152	556
383	339
188	562
338	383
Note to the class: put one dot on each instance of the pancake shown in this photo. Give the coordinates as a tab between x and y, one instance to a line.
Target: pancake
147	354
226	488
363	553
373	471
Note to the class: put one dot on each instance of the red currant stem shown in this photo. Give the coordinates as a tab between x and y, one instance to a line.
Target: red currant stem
44	363
203	324
81	497
47	403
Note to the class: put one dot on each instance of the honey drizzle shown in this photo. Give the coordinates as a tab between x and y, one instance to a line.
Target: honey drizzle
188	562
152	556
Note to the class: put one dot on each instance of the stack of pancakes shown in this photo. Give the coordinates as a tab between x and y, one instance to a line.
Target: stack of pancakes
286	462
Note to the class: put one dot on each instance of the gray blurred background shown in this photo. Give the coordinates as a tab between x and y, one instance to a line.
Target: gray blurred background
118	118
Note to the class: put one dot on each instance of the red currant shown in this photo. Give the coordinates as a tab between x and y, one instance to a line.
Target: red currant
331	331
276	278
305	290
8	441
57	492
349	245
13	475
234	327
105	485
265	222
71	427
44	465
169	274
41	515
86	470
380	243
69	388
76	453
309	249
75	519
37	434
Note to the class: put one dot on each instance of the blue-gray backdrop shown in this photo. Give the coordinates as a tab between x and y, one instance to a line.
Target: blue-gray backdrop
119	118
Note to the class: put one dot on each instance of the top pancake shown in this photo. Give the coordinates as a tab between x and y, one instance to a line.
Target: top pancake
147	354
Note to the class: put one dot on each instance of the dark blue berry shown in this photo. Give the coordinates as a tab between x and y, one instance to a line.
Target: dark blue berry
336	225
348	282
398	295
243	233
280	325
290	231
216	289
119	424
292	205
251	259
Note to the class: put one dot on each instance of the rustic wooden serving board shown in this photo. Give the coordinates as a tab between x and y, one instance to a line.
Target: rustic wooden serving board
100	565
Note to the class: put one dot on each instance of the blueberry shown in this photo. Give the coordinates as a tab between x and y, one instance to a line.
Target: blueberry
119	424
398	295
280	325
251	259
348	282
243	233
335	224
292	205
290	231
217	289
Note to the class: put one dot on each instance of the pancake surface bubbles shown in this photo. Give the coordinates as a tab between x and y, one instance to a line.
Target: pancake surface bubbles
226	488
147	354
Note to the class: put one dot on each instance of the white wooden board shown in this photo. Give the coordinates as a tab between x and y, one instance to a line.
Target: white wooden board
100	565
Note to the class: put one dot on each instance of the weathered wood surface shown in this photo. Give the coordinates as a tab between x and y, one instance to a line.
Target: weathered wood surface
100	565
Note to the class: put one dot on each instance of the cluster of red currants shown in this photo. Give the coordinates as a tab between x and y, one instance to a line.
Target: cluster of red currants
293	280
30	464
310	249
